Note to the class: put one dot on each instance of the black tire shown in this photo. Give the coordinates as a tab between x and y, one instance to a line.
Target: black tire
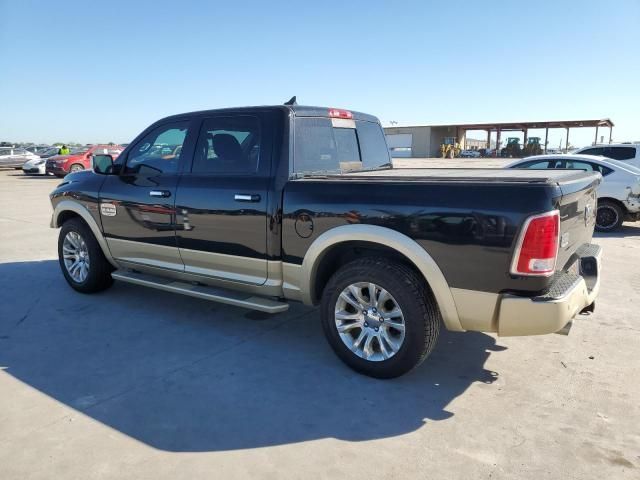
99	274
420	311
609	216
76	167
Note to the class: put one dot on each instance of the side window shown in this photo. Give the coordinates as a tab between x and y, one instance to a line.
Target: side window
535	165
577	165
620	153
593	151
228	145
604	171
158	152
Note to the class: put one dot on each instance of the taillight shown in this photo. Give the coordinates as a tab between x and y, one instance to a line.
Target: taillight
339	113
537	248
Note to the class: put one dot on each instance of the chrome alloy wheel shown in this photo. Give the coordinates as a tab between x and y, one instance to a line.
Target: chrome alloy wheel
369	321
76	256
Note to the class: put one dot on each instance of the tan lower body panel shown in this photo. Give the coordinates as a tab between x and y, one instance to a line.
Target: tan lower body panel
227	267
511	315
477	311
144	253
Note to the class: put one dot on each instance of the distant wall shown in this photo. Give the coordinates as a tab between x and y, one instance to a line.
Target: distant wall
420	138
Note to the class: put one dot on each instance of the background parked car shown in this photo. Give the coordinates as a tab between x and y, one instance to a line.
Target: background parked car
37	166
14	157
626	152
470	154
37	149
618	194
79	159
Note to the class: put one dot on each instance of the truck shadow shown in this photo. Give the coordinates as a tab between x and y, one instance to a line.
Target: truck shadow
186	375
628	229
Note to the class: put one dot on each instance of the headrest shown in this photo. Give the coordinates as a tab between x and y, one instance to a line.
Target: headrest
226	147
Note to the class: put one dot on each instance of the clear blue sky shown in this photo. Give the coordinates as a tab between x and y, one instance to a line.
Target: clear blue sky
102	71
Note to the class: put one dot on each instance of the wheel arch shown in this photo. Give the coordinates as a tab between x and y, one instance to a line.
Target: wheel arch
67	209
614	200
303	282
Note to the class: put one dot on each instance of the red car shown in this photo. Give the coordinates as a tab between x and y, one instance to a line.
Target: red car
78	159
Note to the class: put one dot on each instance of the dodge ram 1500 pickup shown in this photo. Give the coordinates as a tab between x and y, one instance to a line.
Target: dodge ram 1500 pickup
259	206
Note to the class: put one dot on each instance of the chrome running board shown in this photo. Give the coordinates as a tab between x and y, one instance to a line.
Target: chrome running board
204	292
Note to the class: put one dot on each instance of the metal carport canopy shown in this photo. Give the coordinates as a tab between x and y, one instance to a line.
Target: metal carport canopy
506	126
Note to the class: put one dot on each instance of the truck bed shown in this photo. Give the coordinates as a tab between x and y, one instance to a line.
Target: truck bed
463	175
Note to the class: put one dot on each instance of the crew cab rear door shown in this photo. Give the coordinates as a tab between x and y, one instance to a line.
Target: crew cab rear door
222	199
138	206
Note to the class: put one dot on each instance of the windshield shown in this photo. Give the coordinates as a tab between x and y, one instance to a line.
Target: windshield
322	146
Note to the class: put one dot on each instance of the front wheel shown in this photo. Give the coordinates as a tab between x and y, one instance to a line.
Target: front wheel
609	216
76	167
83	264
379	317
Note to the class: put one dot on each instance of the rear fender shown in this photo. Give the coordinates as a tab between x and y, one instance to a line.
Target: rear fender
301	279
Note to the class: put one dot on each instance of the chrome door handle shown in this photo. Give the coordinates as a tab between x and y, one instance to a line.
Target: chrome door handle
239	197
160	193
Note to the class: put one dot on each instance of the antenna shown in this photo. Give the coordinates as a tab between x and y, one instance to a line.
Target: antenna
292	101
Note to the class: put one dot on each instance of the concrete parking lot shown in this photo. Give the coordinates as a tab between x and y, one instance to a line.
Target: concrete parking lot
136	383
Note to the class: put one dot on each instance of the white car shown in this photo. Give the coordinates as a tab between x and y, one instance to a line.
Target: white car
618	194
470	154
14	157
625	152
35	166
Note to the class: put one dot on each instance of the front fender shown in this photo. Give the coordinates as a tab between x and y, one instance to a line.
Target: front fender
79	209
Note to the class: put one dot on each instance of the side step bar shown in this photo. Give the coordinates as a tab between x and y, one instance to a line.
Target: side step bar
221	295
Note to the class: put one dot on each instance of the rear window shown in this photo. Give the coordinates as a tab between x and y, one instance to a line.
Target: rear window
319	146
617	153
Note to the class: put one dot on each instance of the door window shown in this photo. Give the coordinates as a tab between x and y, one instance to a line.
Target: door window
228	145
158	152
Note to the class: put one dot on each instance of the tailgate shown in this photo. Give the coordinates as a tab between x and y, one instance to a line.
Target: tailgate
577	215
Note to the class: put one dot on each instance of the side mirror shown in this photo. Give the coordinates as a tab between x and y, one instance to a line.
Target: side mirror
102	164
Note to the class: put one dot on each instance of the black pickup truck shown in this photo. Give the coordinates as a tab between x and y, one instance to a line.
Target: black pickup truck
259	206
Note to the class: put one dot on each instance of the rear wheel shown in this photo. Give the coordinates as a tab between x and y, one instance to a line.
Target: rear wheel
379	317
609	216
83	264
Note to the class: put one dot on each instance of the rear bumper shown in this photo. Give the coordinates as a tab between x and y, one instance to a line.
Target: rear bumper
570	293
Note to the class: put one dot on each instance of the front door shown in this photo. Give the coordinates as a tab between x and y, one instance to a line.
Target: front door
221	202
137	206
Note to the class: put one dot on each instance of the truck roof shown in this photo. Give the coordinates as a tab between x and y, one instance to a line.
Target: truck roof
296	110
